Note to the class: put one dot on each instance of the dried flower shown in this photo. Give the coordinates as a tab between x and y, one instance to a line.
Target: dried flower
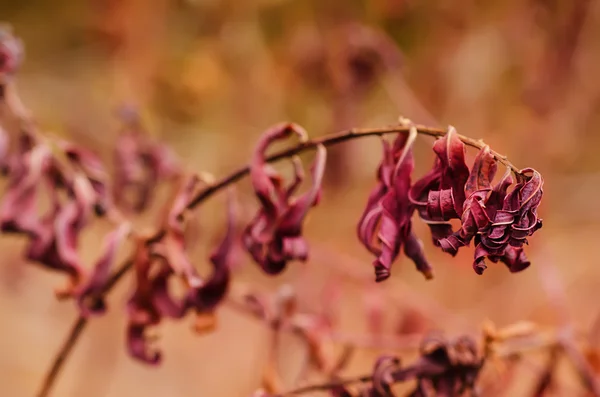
387	217
439	194
274	236
498	221
444	368
150	302
140	164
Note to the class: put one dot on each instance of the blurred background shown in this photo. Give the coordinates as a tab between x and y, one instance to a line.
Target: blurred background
210	75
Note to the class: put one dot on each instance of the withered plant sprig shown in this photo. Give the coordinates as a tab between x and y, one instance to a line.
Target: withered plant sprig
497	219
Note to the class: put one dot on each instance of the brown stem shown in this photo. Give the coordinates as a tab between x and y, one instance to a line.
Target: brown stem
63	354
235	176
334	139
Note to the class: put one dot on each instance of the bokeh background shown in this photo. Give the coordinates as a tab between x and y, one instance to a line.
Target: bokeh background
210	75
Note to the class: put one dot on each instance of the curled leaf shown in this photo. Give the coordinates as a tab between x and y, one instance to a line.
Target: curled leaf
89	295
207	296
274	236
386	225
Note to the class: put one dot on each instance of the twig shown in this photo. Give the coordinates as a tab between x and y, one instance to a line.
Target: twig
340	137
63	354
235	176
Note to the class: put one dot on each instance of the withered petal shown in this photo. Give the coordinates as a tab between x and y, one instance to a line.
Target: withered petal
206	297
100	274
137	345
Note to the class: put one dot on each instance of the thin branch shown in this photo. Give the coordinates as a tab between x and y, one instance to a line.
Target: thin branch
76	331
340	137
235	176
61	358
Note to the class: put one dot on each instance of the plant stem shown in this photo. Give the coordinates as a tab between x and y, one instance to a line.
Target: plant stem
334	139
328	140
63	354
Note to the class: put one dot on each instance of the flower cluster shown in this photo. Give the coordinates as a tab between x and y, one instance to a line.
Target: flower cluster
155	262
444	368
36	176
498	220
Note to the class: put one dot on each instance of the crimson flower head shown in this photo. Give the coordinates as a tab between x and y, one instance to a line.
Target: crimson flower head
497	220
274	236
385	226
155	263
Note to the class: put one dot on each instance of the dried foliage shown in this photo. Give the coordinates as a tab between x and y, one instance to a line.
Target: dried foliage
498	217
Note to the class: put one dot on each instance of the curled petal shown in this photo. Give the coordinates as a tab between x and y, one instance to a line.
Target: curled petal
274	236
367	225
482	173
440	205
496	198
291	221
265	186
19	213
91	292
515	259
413	248
206	297
397	209
173	243
149	303
451	152
383	375
137	345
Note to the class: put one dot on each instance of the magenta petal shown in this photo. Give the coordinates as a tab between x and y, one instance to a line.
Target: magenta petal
137	345
100	274
451	153
515	259
413	248
213	291
482	173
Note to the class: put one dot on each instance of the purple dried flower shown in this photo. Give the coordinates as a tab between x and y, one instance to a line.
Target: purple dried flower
499	222
439	195
383	376
274	236
476	190
512	223
53	236
445	368
386	225
150	302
